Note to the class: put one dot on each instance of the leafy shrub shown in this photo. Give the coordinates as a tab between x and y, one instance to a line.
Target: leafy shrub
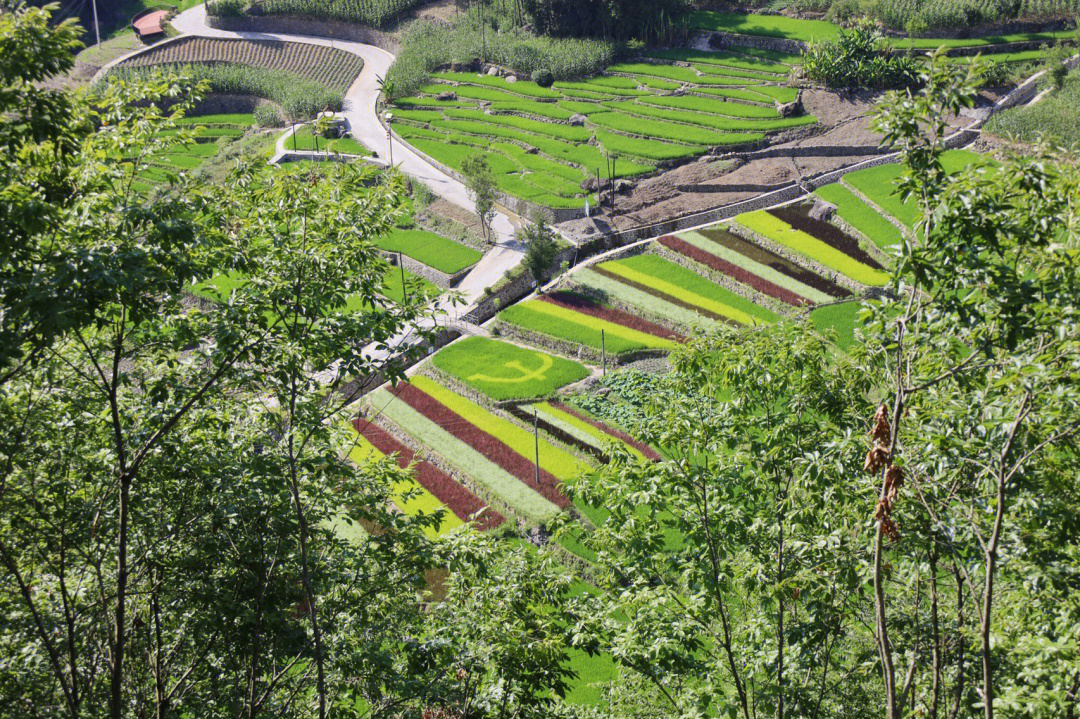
377	13
1056	70
856	59
428	45
543	78
267	115
227	8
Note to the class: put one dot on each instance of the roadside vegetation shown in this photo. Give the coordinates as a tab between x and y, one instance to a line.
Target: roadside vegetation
1054	119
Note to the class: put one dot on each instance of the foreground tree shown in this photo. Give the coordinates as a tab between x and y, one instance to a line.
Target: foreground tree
975	442
730	562
480	182
175	506
772	574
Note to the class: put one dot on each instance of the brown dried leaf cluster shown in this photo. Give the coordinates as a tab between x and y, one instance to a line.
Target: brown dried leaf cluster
879	458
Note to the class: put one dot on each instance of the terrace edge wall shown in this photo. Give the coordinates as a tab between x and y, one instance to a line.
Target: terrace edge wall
298	25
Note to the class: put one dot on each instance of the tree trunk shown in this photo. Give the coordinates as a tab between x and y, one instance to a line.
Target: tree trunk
780	615
116	709
988	601
935	688
958	692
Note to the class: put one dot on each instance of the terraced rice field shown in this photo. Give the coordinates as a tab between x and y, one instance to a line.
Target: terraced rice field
330	67
430	249
997	47
504	371
875	187
544	143
212	134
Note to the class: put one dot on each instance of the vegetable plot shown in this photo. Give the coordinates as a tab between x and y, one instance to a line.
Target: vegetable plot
685	288
410	497
332	68
465	505
775	229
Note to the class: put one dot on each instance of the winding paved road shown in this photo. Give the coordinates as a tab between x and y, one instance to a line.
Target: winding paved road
359	109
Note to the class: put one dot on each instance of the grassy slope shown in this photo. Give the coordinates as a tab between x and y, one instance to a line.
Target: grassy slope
840	318
1055	117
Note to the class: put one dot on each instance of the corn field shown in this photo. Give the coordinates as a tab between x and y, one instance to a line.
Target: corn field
298	97
376	13
923	15
331	68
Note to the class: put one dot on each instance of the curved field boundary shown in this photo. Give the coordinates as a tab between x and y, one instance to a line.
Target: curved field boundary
459	500
332	68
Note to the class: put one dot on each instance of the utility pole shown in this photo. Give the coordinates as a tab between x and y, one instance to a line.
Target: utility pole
536	439
97	30
603	353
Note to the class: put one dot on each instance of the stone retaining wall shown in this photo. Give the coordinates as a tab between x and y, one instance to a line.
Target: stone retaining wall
295	25
514	290
442	279
719	39
1028	89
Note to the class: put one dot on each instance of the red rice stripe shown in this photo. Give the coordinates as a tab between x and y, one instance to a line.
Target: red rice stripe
733	271
492	448
645	449
577	303
457	498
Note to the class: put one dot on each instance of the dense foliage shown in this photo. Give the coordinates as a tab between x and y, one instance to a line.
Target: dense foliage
855	59
494	38
376	13
180	531
647	20
929	568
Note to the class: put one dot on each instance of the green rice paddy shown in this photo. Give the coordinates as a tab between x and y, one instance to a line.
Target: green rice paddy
504	371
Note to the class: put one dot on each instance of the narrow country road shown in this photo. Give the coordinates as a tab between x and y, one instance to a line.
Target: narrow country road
359	109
